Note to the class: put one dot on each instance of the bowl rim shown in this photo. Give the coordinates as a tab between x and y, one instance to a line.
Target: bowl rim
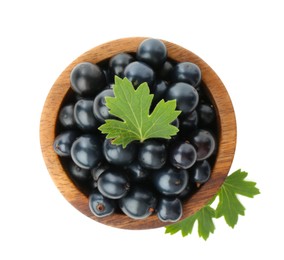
227	134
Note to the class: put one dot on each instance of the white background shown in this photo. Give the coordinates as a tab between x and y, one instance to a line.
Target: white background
241	40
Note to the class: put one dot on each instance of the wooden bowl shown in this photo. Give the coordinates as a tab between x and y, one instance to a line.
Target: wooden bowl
226	120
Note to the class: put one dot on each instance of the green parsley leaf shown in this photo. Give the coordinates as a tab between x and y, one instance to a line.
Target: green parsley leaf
229	205
131	106
204	218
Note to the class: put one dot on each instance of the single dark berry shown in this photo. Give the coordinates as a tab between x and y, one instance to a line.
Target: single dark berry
153	52
83	115
139	72
187	72
63	142
118	63
101	206
87	79
139	203
204	143
66	116
182	155
113	183
100	110
169	209
200	172
170	180
185	95
117	155
86	151
152	154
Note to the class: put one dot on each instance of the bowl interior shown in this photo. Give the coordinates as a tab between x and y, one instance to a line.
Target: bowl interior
226	133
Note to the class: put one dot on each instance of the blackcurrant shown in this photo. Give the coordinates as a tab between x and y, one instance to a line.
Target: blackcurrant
204	143
200	172
113	183
87	79
99	205
66	116
118	63
86	151
63	142
139	203
206	114
139	72
83	115
117	155
170	180
169	209
137	173
152	154
100	110
187	72
186	96
153	52
182	155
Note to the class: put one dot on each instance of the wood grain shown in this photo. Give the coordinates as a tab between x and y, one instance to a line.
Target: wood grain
226	118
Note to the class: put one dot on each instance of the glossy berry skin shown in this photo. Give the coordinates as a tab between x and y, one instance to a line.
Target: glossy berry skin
182	155
139	203
139	72
204	143
201	172
100	110
206	114
118	63
153	52
169	180
169	209
117	155
136	172
66	116
83	115
86	151
63	142
87	79
187	72
152	154
99	205
186	96
113	183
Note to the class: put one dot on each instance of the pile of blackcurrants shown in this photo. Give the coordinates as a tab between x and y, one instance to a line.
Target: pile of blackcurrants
155	176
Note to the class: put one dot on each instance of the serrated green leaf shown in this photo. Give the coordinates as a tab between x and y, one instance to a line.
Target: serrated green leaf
204	217
131	106
229	205
185	226
205	222
236	182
